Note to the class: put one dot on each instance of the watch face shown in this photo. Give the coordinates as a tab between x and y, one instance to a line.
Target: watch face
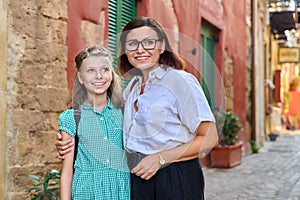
162	161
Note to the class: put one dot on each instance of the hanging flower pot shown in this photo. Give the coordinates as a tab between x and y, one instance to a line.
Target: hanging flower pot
295	84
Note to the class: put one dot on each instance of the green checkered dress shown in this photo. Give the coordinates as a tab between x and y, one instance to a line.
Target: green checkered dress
101	170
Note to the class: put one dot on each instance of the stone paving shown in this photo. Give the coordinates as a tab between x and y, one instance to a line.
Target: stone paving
272	174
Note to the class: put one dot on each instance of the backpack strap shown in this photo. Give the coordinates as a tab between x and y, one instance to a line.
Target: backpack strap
77	119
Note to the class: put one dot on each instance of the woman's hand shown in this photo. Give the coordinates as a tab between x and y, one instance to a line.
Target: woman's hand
147	167
63	147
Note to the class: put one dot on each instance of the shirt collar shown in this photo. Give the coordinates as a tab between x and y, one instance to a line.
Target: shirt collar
158	72
87	105
109	103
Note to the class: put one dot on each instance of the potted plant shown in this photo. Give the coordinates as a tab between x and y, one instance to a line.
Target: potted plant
228	152
295	121
292	122
295	83
273	136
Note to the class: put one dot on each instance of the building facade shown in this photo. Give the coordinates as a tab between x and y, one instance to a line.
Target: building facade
39	39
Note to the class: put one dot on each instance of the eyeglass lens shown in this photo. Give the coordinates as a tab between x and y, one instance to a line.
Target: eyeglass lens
147	44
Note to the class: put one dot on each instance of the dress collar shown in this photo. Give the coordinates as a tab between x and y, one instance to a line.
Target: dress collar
86	105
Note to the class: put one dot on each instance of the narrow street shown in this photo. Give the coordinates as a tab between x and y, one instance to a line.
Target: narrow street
272	174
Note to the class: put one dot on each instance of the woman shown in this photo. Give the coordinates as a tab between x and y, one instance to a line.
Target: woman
100	165
167	120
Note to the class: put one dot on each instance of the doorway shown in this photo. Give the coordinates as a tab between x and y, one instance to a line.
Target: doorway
207	58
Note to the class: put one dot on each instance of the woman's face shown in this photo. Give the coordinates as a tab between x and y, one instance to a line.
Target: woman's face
143	48
96	75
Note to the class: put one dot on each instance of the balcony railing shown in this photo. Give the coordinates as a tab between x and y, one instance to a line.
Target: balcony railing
283	5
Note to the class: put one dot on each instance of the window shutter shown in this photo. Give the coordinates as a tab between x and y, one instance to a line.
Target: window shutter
207	63
120	12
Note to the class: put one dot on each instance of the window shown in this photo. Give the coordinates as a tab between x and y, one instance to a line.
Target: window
120	12
207	62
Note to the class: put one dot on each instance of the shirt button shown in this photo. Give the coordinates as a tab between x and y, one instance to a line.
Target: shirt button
107	161
105	138
101	118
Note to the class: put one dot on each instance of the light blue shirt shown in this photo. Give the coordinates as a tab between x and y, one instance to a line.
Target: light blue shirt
169	111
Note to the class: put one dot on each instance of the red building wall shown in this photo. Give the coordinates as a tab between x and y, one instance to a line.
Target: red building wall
294	109
235	42
78	11
228	18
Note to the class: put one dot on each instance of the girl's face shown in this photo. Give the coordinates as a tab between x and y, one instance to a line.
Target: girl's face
143	48
96	75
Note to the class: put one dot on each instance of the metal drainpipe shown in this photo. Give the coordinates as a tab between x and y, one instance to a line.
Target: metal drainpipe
252	79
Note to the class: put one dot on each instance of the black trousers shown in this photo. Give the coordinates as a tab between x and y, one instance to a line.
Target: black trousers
177	181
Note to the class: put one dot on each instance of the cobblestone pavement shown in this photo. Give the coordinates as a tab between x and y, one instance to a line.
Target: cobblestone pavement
272	174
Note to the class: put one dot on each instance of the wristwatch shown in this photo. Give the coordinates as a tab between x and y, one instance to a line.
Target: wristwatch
162	161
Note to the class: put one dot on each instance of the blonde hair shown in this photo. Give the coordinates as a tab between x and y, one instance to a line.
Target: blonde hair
114	91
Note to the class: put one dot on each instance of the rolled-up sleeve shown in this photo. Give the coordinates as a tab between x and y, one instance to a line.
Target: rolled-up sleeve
194	107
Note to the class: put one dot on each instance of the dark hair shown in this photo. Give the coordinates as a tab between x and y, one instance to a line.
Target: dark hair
168	57
114	91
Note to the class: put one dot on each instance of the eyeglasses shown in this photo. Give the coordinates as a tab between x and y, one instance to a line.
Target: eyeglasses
147	44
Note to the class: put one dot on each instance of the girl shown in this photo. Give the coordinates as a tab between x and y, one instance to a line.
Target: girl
100	167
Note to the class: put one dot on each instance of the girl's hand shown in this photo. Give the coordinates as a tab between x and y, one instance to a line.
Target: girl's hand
147	167
63	147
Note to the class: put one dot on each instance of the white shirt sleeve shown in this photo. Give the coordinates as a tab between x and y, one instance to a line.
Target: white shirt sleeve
193	105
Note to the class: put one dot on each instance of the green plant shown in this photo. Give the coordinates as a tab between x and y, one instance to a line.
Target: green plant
228	126
45	187
295	120
254	147
295	83
287	97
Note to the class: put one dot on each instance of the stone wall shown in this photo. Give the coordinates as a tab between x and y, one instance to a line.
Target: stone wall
259	46
3	94
36	89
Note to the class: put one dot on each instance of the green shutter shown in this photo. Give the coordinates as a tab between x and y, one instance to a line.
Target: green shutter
120	12
207	63
112	25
